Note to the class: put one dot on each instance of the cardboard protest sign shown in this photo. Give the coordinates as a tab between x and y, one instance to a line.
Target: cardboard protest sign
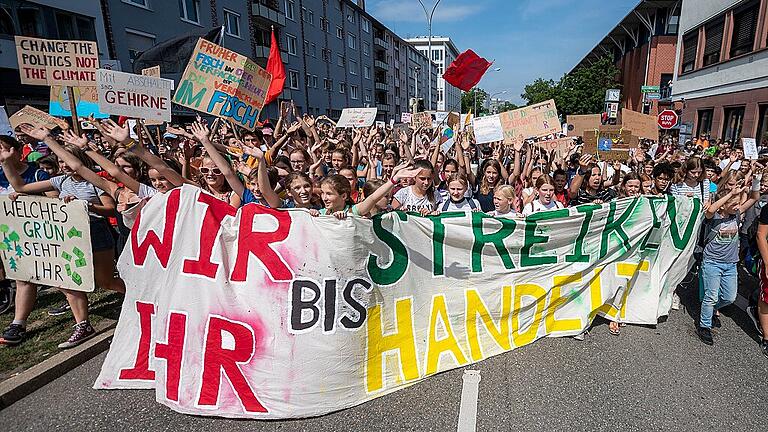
46	241
380	124
453	120
136	96
529	122
440	118
577	124
750	148
5	124
62	62
641	125
405	117
560	145
421	119
224	84
35	117
250	316
610	142
357	117
487	129
86	100
153	71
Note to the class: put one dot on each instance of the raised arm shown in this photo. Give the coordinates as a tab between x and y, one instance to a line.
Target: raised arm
400	172
201	133
7	158
578	179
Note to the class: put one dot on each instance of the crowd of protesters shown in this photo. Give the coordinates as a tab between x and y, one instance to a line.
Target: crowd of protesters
306	162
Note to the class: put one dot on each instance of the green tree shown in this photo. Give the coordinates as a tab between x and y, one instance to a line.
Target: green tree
468	101
506	106
580	92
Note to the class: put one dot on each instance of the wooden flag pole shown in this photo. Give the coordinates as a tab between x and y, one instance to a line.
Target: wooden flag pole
146	131
73	110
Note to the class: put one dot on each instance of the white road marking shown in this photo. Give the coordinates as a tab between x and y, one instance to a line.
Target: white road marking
468	407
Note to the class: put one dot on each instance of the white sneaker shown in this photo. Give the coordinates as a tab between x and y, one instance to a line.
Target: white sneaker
675	302
581	336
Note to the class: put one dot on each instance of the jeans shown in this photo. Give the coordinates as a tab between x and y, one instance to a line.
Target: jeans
720	286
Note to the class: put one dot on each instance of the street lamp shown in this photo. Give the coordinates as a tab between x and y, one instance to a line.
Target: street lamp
416	88
490	99
498	69
429	16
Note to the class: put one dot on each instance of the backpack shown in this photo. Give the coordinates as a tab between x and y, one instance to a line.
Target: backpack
470	201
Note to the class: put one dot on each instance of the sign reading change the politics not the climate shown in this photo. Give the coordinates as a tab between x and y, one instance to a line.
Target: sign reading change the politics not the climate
61	62
46	241
136	96
263	313
223	83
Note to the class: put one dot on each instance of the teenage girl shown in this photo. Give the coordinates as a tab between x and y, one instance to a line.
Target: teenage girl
545	192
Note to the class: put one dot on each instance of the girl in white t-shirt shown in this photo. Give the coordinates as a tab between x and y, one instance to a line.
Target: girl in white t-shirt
457	195
545	191
420	197
503	200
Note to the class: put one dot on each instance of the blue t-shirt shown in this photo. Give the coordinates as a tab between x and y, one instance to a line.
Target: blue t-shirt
248	197
32	174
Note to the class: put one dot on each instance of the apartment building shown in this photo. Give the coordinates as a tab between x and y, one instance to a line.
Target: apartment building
444	52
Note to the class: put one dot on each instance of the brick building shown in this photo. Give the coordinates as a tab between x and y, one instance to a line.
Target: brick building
643	46
721	76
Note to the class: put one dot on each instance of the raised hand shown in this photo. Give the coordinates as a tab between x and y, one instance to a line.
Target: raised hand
406	173
115	131
294	127
177	131
39	133
253	151
69	137
200	131
585	160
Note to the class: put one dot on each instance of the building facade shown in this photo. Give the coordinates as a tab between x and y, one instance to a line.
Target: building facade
444	52
721	74
643	46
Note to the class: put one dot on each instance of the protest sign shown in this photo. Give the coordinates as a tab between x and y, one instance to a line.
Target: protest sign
223	83
357	117
62	62
271	314
610	142
487	129
641	125
5	124
405	117
750	148
466	120
560	145
35	117
536	120
453	120
440	118
153	71
577	124
46	241
380	124
86	100
136	96
421	119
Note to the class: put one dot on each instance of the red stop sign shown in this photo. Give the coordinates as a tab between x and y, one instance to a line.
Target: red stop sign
667	119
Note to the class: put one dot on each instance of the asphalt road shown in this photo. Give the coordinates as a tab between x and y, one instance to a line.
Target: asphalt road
646	379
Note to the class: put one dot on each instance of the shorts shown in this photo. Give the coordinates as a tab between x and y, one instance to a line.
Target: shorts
101	235
763	282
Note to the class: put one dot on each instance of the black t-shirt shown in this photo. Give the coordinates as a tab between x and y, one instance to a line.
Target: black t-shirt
764	216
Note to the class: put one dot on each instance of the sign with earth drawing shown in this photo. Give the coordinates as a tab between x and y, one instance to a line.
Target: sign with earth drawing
46	241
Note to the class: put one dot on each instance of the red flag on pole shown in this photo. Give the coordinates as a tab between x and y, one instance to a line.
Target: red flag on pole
466	70
277	69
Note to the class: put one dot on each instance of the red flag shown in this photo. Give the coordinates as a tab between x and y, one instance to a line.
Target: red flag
466	70
277	69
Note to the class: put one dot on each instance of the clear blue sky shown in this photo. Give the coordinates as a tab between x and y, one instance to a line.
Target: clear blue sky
526	38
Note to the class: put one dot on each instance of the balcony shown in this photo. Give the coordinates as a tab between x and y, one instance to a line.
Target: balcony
381	65
382	86
382	107
380	43
267	14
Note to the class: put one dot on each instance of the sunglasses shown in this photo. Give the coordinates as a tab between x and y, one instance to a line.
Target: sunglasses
206	170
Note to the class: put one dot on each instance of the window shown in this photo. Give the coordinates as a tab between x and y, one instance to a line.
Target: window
291	44
665	86
232	21
340	60
311	17
324	24
734	120
366	48
713	40
672	25
366	25
744	27
314	81
304	14
339	32
368	95
29	21
326	55
367	72
352	41
353	67
293	79
762	126
290	10
353	92
313	50
138	42
437	55
351	17
342	87
190	10
327	84
689	51
65	26
142	3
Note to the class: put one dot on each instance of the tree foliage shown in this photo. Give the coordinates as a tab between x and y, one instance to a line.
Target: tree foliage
580	92
468	101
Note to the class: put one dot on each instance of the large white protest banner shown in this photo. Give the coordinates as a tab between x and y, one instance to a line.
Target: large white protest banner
46	241
136	96
357	117
276	314
487	129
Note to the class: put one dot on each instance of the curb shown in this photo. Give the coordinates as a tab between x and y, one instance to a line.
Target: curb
15	388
